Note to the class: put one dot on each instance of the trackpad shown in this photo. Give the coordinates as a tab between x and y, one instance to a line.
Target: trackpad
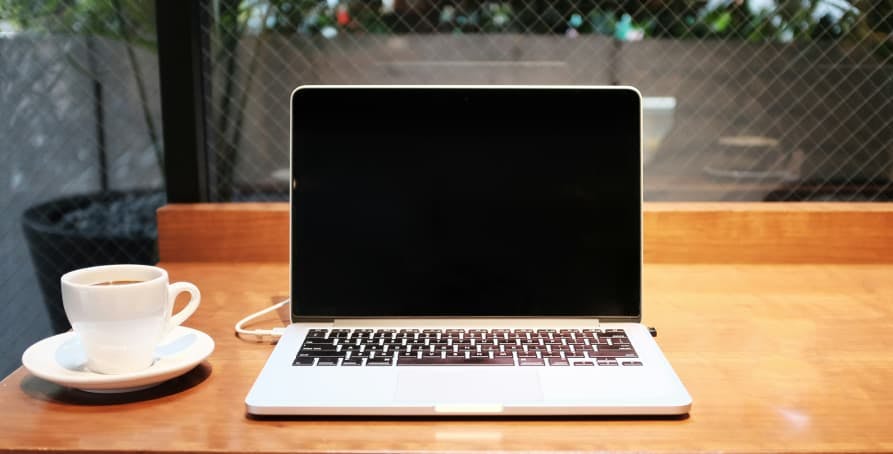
467	385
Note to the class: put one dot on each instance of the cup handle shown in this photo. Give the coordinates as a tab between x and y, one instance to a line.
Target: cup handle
195	297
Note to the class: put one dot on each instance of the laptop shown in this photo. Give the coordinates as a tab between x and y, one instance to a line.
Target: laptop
466	251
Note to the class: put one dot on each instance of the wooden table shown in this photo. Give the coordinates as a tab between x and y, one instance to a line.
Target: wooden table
776	357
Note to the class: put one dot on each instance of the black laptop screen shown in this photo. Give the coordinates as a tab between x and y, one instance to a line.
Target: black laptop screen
466	202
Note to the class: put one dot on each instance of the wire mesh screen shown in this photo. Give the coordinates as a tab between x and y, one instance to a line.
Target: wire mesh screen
744	99
79	159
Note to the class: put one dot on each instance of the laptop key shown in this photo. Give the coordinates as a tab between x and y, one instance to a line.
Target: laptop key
318	341
303	361
379	361
558	362
352	362
531	362
318	348
328	361
303	354
455	361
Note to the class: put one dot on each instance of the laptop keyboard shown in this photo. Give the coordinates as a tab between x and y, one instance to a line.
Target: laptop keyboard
472	347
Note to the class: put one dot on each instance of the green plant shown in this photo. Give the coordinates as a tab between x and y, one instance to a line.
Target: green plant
228	115
130	22
133	23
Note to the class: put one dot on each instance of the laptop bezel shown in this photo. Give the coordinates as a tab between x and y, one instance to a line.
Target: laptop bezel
296	318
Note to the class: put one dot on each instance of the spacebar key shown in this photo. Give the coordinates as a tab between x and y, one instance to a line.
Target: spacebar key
454	361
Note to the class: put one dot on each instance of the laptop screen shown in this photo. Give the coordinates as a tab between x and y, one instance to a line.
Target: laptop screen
454	201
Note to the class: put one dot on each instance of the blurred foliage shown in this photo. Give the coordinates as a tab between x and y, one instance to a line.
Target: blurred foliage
868	22
131	20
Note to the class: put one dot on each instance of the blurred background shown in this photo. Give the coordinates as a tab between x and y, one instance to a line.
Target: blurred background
746	100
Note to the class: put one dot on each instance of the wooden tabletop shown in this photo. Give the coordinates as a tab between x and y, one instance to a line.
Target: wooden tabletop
776	357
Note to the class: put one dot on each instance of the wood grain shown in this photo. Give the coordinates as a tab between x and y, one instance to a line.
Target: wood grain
223	232
673	232
777	358
768	233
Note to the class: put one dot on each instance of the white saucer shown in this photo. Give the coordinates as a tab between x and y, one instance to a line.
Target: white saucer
60	359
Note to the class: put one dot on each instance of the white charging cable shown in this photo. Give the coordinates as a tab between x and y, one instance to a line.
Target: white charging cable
260	335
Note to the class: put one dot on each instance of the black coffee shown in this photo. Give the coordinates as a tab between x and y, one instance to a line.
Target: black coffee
117	282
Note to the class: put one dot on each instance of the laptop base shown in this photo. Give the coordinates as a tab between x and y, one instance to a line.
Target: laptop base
650	389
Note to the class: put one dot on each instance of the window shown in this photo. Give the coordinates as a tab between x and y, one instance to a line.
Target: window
745	100
80	162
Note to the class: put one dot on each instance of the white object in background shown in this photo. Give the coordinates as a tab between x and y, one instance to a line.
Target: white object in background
61	359
329	32
119	326
281	175
657	113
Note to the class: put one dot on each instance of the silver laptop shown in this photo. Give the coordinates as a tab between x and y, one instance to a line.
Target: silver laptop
466	251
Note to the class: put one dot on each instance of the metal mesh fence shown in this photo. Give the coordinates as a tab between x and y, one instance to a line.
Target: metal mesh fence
79	159
745	99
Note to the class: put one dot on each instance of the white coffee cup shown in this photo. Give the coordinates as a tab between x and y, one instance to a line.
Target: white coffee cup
120	324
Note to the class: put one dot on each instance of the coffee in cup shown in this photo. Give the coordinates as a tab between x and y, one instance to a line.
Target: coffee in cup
122	312
118	282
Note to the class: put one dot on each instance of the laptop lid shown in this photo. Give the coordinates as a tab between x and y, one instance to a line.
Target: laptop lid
466	201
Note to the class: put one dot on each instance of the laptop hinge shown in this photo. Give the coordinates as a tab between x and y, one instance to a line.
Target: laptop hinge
312	319
483	322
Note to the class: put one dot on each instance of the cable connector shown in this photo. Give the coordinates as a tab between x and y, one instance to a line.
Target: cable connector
260	335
